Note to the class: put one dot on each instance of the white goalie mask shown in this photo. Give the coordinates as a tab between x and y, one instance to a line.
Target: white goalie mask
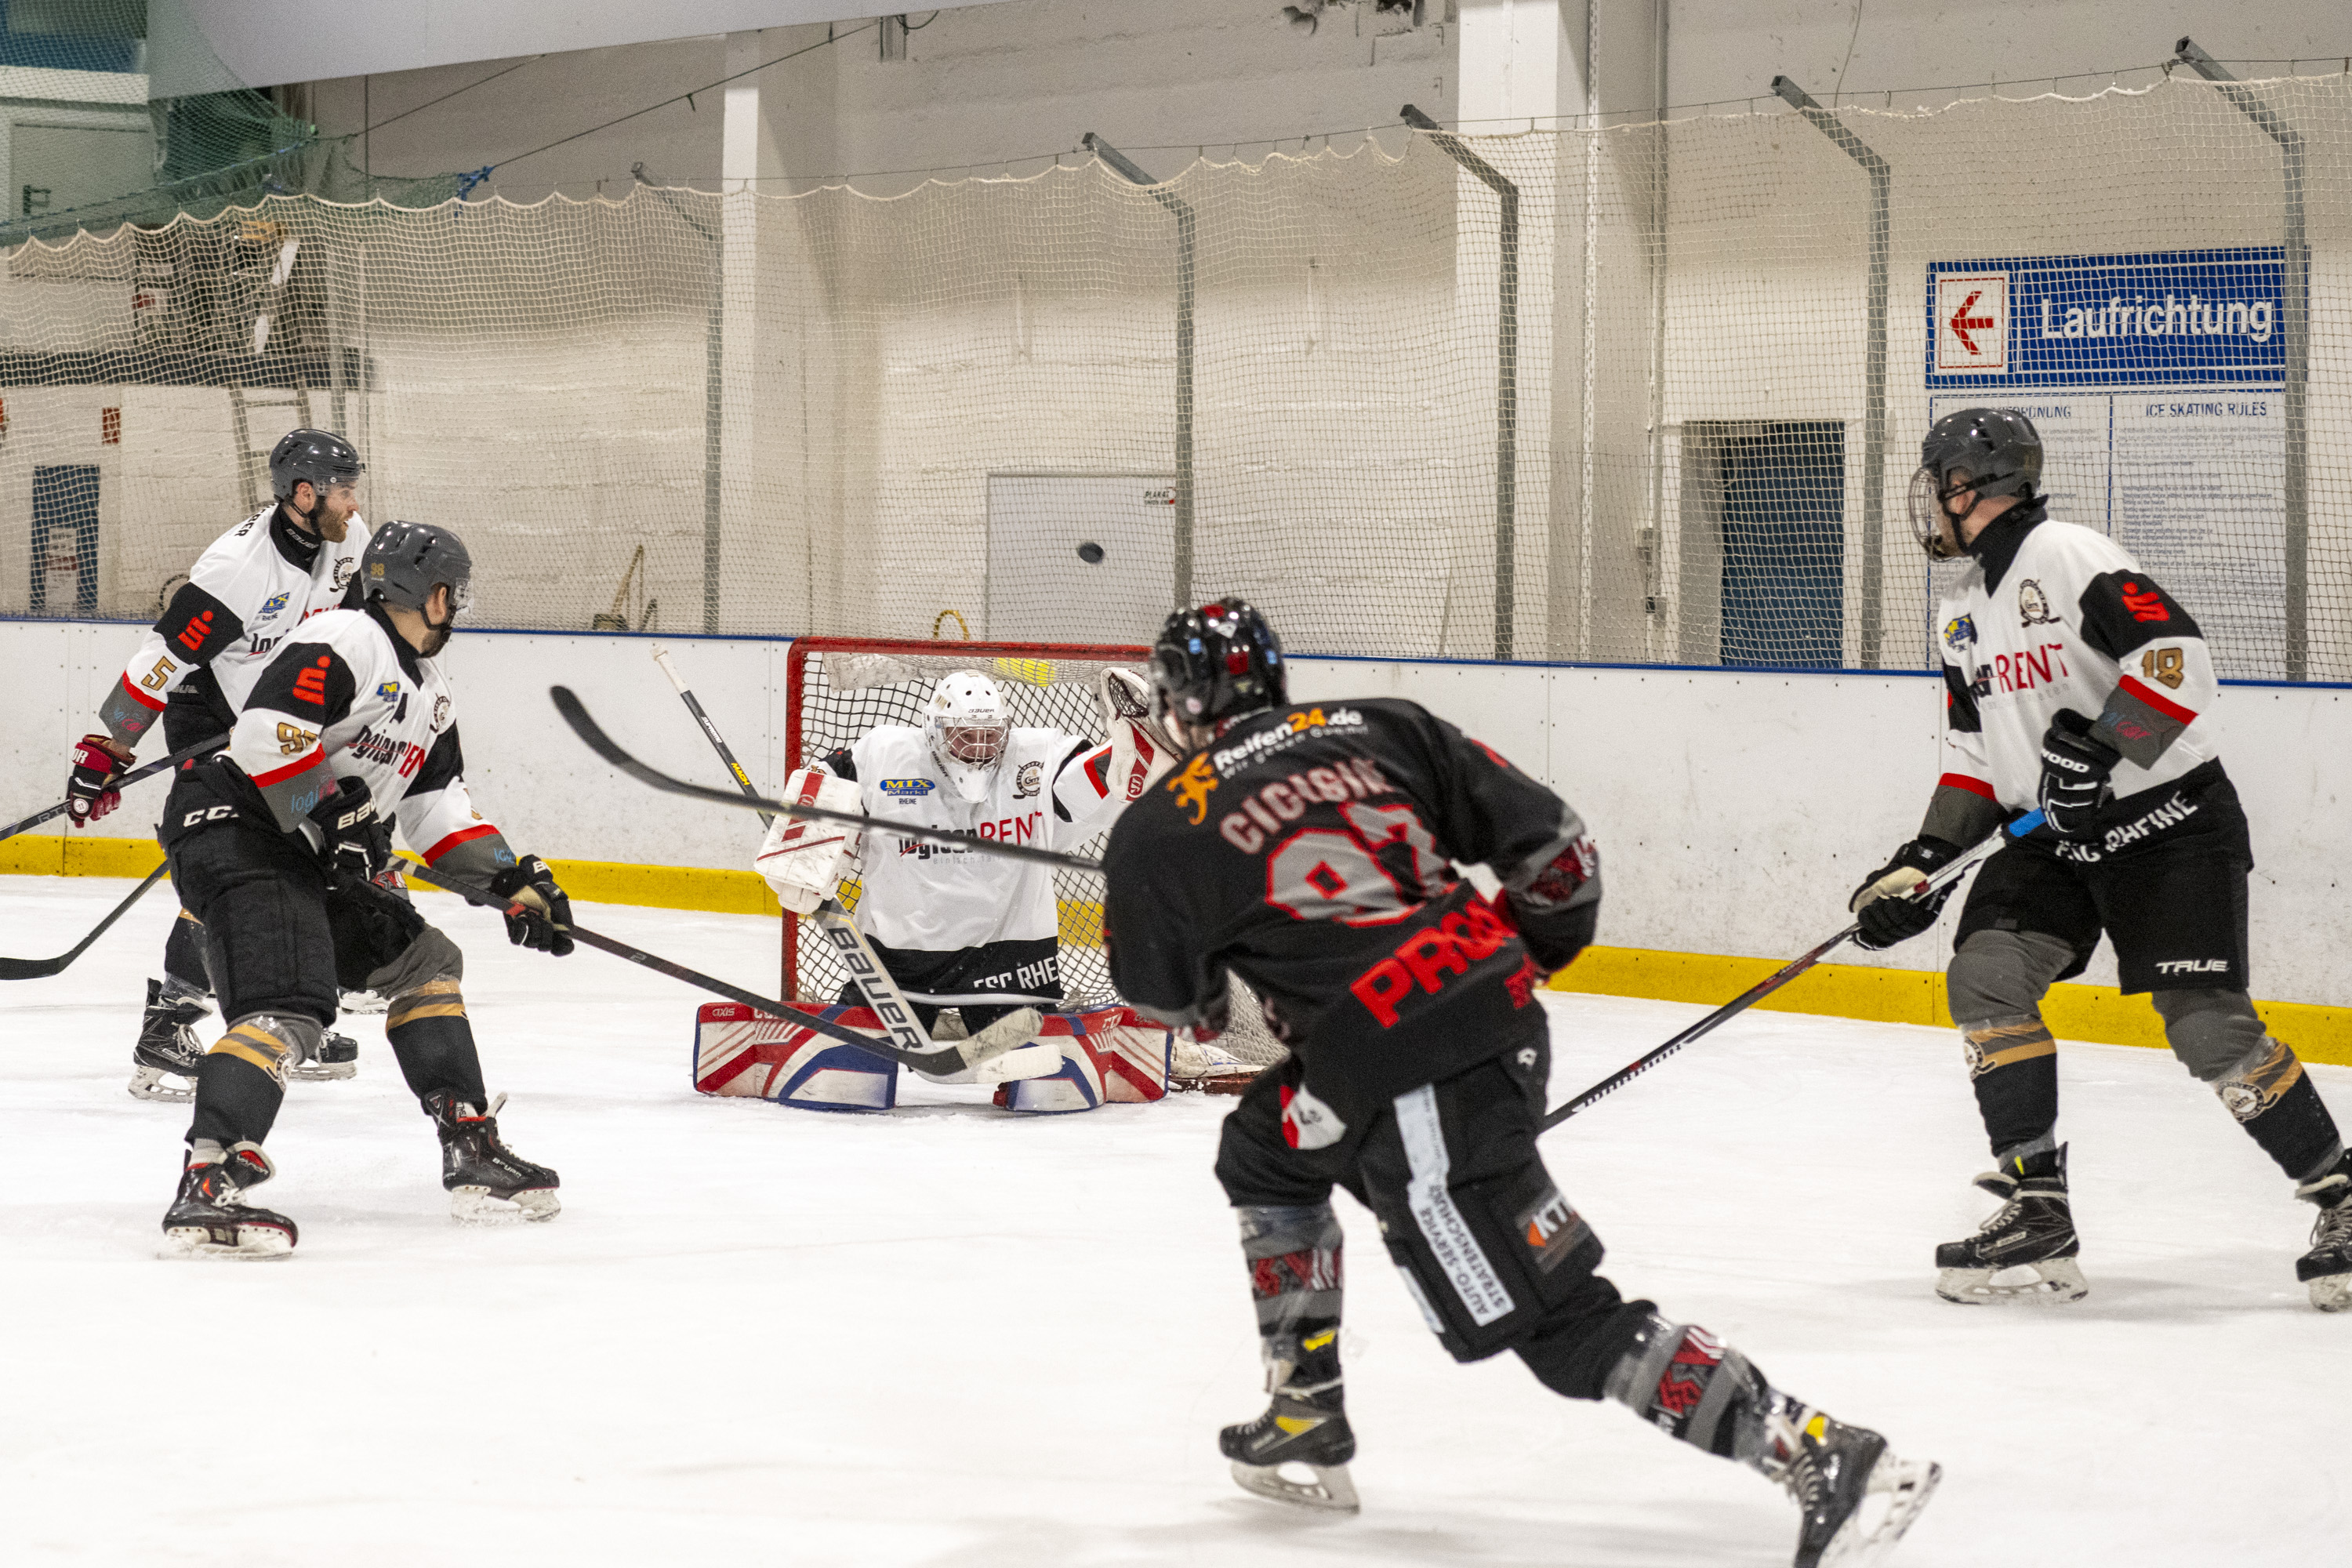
966	727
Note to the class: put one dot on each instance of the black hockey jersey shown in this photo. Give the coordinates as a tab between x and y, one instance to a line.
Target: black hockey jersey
1310	850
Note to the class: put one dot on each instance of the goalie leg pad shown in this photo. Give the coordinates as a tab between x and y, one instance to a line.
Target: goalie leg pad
1109	1055
740	1052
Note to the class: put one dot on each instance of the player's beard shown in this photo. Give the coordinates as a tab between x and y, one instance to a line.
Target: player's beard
332	528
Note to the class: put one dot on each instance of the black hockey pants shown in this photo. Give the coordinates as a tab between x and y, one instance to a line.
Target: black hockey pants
1493	1255
277	941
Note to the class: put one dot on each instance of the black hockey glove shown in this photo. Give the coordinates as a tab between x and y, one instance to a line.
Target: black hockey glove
1882	906
539	916
348	836
2074	771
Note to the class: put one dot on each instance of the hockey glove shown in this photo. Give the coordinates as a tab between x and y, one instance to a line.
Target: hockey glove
90	791
349	839
1886	906
2074	771
538	915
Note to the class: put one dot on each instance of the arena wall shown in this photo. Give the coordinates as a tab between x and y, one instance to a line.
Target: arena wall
1735	809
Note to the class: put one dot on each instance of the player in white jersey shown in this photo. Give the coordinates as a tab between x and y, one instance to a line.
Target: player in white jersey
2076	684
292	560
957	928
277	843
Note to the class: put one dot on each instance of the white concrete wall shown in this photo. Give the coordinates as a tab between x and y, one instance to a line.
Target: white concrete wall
1735	811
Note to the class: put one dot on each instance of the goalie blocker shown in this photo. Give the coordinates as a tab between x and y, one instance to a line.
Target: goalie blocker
1107	1055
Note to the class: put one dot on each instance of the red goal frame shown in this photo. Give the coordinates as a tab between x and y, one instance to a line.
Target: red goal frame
795	692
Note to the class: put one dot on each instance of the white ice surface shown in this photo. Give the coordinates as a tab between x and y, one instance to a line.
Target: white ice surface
955	1337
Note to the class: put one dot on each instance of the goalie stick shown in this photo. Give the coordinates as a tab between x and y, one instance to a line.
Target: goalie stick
873	982
132	777
990	1045
42	968
1772	983
603	746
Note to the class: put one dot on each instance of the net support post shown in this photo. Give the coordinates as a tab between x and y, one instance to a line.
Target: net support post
1870	635
1506	371
2294	312
1187	243
714	382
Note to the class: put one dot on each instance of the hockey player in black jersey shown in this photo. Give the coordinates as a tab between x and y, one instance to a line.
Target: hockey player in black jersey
1310	849
2076	683
249	589
277	843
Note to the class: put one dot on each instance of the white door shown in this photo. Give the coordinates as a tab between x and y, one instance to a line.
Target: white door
1080	558
55	168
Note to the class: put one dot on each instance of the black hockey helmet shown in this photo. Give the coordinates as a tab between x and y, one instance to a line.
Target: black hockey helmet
405	560
321	457
1218	662
1998	452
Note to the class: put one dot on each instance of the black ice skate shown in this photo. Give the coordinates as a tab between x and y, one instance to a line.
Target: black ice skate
338	1056
1305	1426
1856	1497
2326	1268
210	1217
167	1047
2024	1253
488	1182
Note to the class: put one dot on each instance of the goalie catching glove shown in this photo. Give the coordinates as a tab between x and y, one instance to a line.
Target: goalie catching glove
1141	751
804	859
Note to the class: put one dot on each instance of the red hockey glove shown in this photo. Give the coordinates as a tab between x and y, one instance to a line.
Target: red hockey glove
89	788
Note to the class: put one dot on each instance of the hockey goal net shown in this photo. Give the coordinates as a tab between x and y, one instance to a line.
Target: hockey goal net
836	688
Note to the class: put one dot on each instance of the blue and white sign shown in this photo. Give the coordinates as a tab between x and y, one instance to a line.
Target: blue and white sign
2175	317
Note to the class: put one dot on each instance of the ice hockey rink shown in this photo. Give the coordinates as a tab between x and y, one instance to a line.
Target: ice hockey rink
951	1336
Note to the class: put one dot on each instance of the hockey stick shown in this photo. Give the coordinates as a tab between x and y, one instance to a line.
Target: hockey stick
132	777
42	968
983	1048
1773	982
587	729
883	998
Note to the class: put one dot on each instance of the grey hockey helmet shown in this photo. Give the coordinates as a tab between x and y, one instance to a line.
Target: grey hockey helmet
321	457
1989	451
405	560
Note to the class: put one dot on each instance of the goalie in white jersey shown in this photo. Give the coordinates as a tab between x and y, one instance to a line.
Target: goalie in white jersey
2076	683
959	928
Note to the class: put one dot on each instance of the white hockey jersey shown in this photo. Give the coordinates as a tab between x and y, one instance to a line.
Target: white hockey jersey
348	699
2052	616
1052	790
249	589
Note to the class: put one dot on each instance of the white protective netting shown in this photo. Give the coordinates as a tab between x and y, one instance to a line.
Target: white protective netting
831	414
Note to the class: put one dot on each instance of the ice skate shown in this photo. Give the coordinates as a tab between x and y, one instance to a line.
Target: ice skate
2326	1268
338	1056
210	1217
1306	1428
1856	1496
167	1047
488	1182
2024	1253
360	1002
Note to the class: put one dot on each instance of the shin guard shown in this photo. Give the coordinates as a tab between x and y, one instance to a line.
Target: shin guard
434	1043
2014	1067
242	1081
2274	1099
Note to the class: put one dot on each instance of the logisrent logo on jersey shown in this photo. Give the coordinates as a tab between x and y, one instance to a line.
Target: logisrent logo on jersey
1960	632
1028	781
906	789
1193	787
2034	605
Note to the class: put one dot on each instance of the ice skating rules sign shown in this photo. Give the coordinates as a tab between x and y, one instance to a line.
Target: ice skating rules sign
2154	381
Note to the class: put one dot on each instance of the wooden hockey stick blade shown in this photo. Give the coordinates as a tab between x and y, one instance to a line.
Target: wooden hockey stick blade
589	731
159	765
42	968
485	898
1773	982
